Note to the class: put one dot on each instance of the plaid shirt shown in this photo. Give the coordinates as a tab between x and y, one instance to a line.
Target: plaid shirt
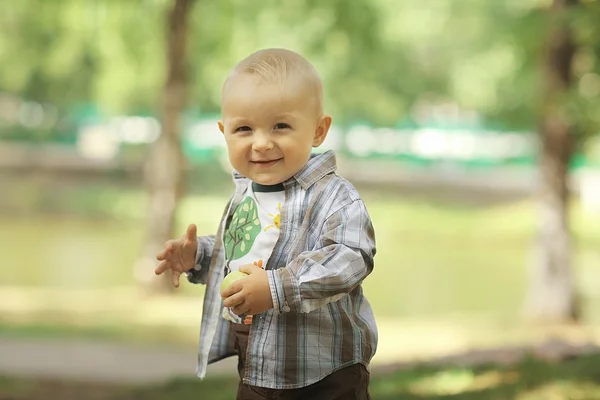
321	321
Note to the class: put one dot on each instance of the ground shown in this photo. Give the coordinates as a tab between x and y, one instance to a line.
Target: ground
36	369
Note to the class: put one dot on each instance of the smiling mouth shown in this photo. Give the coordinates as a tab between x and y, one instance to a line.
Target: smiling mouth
266	163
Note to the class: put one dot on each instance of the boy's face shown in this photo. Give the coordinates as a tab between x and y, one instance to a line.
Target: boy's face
270	128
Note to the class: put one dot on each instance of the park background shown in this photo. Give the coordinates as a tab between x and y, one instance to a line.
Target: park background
472	129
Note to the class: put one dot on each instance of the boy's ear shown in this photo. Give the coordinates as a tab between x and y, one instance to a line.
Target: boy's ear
221	126
322	129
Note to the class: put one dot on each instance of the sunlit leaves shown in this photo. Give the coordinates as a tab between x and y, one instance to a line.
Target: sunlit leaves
378	58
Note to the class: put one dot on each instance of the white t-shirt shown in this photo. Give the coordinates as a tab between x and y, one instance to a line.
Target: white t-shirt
252	232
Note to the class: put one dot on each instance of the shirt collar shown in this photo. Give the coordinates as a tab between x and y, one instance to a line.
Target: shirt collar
318	166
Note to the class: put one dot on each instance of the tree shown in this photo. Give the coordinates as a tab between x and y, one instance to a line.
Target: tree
551	296
164	167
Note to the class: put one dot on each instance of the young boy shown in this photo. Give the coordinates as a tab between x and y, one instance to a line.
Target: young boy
298	322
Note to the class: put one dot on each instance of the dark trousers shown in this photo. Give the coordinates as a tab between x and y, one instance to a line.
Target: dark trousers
350	383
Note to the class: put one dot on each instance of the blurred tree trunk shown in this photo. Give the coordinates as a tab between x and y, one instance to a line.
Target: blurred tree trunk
164	168
551	296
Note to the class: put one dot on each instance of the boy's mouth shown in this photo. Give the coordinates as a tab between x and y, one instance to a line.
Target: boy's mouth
266	163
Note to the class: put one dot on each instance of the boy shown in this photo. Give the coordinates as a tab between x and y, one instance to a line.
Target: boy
299	321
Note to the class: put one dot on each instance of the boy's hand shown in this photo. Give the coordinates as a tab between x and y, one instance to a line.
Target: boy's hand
250	295
179	255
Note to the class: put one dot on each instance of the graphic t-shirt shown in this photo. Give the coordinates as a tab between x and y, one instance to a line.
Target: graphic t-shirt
252	233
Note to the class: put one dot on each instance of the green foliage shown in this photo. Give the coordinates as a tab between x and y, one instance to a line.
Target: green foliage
381	60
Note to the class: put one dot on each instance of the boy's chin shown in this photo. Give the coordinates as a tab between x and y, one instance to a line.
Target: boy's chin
269	179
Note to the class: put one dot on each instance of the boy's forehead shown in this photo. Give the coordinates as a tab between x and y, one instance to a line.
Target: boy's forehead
252	82
247	90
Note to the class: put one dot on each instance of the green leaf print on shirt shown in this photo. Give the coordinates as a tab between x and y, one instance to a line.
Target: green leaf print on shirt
243	230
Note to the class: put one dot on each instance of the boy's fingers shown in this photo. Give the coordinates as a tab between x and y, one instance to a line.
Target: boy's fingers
241	309
163	255
162	267
249	268
176	275
190	234
232	289
234	300
170	245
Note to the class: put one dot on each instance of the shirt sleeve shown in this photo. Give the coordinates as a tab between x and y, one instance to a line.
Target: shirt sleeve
339	263
204	252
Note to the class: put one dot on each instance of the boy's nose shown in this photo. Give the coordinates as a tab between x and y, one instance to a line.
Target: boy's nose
262	142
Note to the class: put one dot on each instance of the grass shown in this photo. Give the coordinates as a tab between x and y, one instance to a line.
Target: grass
436	261
531	379
434	258
51	329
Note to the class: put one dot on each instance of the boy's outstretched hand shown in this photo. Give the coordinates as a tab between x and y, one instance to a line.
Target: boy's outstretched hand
250	295
179	255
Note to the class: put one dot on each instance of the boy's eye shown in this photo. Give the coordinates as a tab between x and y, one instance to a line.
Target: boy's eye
242	129
281	126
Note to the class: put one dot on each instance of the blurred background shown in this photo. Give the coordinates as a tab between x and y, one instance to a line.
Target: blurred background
471	127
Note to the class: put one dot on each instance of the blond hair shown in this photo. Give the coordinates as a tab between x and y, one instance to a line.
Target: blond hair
281	65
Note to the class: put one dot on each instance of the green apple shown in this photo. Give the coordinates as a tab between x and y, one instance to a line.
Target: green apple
232	277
